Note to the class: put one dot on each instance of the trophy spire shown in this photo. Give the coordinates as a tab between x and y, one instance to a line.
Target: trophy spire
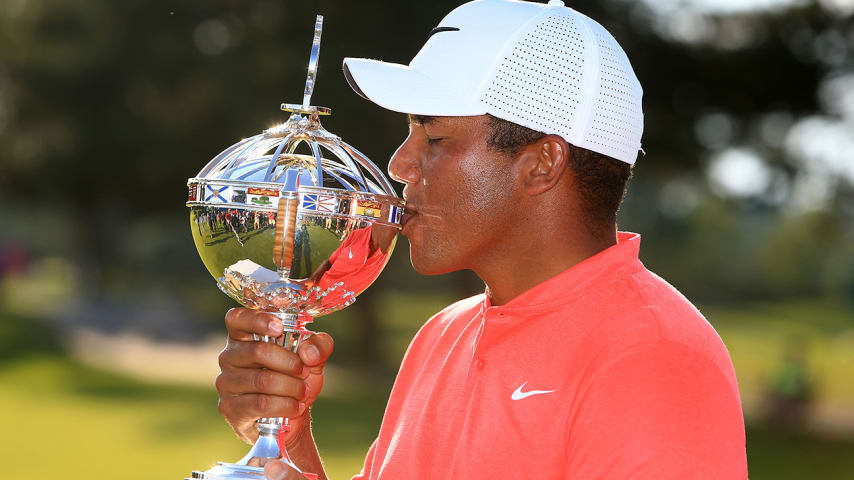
312	63
306	108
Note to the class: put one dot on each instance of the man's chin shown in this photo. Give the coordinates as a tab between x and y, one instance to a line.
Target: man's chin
430	261
427	268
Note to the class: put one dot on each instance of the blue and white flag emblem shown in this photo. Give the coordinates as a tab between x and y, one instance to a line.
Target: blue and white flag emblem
320	203
214	193
309	202
394	214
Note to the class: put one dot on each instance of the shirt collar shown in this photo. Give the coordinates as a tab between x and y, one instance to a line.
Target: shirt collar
613	262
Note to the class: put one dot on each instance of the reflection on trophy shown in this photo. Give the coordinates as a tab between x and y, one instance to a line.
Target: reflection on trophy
296	234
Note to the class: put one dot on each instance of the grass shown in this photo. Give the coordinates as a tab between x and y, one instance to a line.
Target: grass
65	420
62	419
780	455
757	337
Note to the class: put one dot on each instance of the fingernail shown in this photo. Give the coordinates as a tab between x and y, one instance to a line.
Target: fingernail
305	371
312	354
275	326
301	408
307	391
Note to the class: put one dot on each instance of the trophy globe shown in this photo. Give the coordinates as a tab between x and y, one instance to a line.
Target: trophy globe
295	222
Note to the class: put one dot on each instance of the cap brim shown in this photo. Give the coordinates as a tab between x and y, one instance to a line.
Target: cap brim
402	89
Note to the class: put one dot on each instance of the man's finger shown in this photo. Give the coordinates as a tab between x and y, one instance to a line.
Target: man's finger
242	323
262	355
252	406
280	471
237	381
316	350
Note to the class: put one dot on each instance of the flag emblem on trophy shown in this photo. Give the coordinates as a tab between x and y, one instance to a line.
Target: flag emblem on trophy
239	196
394	214
264	197
368	208
193	192
319	203
262	200
215	193
267	192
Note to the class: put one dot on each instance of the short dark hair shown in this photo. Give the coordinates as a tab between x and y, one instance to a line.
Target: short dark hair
602	180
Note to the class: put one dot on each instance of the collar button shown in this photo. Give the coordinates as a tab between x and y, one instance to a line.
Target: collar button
481	363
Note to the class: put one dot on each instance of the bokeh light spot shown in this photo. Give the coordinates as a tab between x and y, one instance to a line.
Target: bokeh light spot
738	172
715	130
212	37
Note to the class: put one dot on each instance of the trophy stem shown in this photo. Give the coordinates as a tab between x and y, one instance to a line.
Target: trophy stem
293	334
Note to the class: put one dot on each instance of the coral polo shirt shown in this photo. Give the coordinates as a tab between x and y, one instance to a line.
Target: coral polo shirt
602	372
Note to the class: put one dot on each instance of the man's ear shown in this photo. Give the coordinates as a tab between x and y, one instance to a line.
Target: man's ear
542	163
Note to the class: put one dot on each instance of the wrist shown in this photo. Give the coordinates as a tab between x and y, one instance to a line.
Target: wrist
301	447
301	438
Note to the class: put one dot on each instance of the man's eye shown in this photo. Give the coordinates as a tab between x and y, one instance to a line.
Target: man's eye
433	141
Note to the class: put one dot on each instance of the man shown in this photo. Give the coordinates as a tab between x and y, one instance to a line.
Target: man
577	362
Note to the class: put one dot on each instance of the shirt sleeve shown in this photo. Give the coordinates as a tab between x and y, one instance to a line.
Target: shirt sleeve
657	411
369	460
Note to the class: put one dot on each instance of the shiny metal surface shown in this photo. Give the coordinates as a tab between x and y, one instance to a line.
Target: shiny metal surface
299	234
312	62
334	256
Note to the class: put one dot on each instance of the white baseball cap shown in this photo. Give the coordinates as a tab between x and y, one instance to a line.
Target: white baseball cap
543	66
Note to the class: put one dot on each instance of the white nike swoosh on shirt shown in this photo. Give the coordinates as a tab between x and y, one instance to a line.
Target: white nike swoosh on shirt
519	394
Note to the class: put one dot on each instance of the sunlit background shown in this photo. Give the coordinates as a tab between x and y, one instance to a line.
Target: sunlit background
110	325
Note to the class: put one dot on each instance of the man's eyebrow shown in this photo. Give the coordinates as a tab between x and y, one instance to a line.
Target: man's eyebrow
422	120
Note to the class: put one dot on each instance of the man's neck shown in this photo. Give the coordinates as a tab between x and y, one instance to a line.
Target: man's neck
517	270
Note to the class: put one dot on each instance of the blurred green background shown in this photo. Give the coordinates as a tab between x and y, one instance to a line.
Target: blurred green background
110	325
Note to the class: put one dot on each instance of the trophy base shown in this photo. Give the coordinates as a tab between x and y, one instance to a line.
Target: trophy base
265	449
231	471
228	471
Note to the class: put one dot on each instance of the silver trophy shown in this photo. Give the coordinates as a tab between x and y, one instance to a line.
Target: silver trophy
296	234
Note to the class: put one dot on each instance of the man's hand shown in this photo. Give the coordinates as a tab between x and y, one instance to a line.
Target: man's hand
262	379
280	471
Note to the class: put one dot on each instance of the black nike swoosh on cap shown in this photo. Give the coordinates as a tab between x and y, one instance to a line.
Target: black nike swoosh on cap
442	29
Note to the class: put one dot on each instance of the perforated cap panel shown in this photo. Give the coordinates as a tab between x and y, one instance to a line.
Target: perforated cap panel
539	82
617	123
566	75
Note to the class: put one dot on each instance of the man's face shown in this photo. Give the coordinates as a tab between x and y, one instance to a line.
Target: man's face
457	192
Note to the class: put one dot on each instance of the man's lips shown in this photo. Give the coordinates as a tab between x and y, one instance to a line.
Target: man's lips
409	213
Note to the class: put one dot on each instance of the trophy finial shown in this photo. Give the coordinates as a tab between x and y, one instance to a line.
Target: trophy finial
312	63
306	107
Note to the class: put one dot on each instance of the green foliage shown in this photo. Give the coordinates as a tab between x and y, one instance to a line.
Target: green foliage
22	337
106	107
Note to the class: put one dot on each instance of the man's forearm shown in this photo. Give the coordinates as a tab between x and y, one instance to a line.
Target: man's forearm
303	451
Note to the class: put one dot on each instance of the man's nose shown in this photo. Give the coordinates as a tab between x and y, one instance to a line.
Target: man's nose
403	166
